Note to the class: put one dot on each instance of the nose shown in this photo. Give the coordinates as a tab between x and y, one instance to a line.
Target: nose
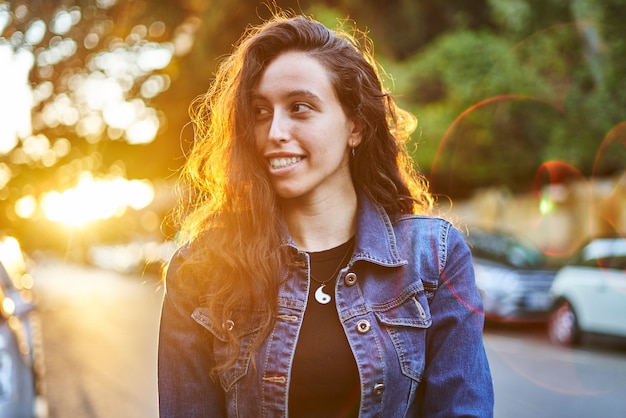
279	128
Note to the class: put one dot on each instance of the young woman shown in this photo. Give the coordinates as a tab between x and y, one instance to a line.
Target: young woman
311	280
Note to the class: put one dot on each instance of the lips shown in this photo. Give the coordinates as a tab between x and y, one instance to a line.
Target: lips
283	162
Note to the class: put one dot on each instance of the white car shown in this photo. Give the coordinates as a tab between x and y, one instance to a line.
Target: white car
590	294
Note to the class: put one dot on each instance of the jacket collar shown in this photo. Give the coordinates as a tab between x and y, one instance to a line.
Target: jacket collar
375	236
375	240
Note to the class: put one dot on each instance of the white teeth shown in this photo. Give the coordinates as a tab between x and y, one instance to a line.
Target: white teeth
284	162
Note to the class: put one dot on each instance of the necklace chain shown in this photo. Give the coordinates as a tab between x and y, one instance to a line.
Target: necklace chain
334	275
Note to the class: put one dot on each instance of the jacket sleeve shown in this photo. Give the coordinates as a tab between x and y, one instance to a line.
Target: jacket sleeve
457	380
185	357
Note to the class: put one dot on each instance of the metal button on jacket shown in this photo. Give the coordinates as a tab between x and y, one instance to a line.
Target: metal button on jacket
363	326
379	388
350	279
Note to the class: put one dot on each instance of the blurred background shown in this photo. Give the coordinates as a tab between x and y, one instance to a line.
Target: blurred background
515	98
522	133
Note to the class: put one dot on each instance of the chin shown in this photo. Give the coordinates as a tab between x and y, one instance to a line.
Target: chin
288	193
288	196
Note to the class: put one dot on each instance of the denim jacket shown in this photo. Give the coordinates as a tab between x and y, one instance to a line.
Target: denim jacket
410	310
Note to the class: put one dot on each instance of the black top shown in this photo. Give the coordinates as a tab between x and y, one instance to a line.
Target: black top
324	378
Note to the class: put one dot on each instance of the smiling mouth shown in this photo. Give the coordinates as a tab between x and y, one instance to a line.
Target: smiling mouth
284	162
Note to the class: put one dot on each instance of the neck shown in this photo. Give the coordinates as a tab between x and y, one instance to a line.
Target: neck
322	224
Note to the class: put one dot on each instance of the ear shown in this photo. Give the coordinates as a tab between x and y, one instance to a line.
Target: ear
356	135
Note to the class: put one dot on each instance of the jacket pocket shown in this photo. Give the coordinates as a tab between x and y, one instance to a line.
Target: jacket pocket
406	319
245	332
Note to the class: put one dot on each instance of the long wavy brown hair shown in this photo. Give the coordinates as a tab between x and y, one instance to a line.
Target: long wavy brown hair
230	221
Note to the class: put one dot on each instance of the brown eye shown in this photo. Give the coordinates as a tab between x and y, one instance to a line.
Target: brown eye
261	112
301	107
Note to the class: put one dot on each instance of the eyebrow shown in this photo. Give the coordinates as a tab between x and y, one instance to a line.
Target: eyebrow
293	93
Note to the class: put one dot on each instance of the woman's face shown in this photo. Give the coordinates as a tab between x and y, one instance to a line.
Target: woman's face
301	130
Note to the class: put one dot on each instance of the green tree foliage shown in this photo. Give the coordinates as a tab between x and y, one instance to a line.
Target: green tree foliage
541	84
402	27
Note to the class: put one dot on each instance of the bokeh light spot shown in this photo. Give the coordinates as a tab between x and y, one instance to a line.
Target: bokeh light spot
61	147
143	131
154	57
35	32
5	175
156	29
91	40
26	206
62	23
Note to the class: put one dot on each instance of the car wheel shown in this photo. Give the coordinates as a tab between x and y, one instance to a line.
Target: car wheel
563	326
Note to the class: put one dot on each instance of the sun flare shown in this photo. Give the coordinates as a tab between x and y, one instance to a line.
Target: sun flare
96	199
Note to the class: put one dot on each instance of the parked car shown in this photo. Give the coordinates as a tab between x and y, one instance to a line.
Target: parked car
513	277
19	374
590	293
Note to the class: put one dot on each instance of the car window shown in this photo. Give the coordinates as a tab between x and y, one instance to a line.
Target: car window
604	248
616	263
504	249
604	253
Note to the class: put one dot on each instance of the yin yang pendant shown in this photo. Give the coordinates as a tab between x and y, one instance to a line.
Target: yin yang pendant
320	296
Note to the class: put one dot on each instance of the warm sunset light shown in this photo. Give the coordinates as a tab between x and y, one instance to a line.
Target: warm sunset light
96	199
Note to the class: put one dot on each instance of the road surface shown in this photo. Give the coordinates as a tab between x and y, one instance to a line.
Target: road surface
99	336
